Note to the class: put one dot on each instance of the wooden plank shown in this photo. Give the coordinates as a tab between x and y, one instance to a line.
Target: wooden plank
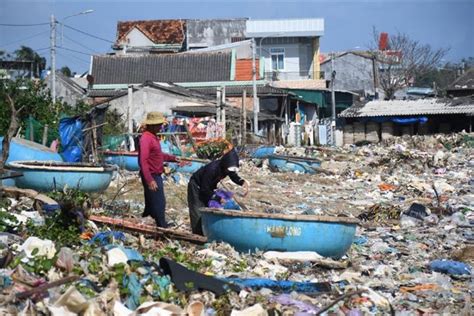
47	286
148	229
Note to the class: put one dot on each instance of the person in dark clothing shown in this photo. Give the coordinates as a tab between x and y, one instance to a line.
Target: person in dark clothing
204	181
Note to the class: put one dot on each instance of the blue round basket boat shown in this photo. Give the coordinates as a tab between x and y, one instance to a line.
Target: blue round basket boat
52	175
329	236
283	163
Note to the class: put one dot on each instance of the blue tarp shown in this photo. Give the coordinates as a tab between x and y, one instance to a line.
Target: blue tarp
401	120
70	133
280	285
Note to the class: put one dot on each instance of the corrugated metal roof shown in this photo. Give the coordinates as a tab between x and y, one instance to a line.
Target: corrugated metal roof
236	91
465	82
411	107
231	112
105	93
161	68
285	28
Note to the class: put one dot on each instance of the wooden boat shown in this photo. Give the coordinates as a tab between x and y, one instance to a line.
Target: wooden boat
127	160
52	175
188	165
283	163
247	231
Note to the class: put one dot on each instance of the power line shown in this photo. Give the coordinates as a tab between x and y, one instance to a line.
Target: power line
36	24
26	38
75	57
37	50
88	34
74	51
80	44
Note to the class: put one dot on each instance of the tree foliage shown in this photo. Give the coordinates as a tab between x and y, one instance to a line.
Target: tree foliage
28	54
33	98
404	61
66	71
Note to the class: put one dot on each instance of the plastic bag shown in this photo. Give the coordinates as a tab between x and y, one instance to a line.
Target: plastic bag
65	259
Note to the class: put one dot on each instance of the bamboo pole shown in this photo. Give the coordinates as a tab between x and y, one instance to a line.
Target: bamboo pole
45	134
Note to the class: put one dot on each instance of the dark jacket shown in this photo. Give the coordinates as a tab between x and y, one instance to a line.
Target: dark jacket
211	174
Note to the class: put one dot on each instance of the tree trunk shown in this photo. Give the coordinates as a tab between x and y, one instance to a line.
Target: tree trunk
14	125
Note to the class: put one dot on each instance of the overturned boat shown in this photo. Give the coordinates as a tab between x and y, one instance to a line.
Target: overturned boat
283	163
53	175
329	236
127	160
23	149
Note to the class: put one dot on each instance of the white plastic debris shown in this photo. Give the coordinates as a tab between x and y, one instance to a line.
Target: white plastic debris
255	310
116	256
294	256
45	247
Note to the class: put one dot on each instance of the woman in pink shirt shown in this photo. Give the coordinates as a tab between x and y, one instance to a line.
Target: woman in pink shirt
150	159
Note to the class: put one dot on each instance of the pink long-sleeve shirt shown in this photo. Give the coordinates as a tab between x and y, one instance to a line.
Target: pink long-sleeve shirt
150	156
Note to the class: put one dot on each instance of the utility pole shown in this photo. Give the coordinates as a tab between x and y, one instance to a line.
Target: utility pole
244	117
333	102
254	81
374	70
129	118
53	58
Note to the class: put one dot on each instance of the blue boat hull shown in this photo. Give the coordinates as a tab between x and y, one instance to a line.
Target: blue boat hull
247	231
22	149
50	176
125	160
190	166
292	164
263	152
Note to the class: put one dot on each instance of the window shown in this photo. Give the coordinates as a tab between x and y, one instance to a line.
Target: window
278	58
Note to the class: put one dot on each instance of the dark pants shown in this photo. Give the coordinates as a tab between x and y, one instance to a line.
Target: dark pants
194	204
155	202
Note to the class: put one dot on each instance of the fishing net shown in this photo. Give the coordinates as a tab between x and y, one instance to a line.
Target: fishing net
35	130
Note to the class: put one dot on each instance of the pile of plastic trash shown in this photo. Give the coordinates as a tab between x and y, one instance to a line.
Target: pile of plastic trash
413	252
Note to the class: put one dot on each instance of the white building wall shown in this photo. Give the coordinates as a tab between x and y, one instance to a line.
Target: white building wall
136	38
298	57
146	100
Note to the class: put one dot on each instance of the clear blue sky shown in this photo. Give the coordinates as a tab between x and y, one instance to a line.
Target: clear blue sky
348	24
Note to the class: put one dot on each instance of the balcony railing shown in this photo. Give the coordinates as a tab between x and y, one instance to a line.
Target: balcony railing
293	75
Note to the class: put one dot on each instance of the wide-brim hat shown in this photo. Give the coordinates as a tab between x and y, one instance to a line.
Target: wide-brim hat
154	118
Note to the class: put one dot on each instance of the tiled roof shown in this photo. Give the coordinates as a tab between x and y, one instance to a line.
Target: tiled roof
105	93
170	87
158	31
236	91
164	86
161	68
231	112
412	107
466	81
